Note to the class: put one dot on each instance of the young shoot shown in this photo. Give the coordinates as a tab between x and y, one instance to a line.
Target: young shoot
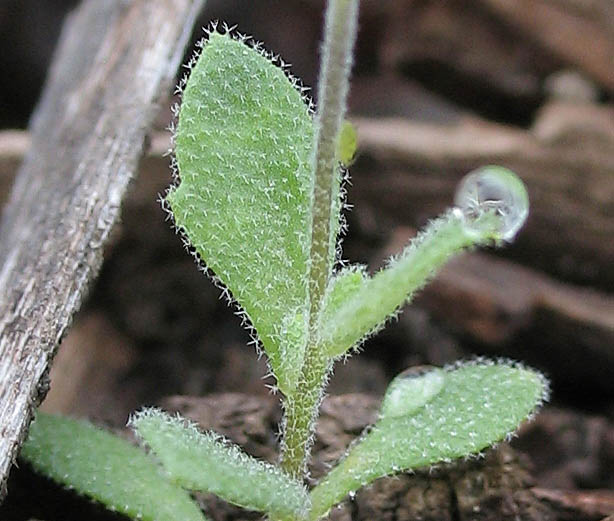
257	196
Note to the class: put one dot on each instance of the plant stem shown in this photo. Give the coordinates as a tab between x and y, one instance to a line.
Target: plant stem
340	34
300	414
301	409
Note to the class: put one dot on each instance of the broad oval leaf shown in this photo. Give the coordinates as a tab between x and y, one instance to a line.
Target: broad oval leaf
106	468
243	148
205	461
480	404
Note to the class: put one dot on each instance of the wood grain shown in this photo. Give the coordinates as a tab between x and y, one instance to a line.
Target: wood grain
115	61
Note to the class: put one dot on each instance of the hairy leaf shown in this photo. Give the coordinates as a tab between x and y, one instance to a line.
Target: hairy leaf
480	404
358	313
342	288
243	147
106	468
207	462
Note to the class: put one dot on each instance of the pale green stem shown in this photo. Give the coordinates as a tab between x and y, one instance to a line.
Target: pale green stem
340	34
301	409
300	414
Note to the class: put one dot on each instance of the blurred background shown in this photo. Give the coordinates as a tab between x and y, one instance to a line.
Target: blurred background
440	87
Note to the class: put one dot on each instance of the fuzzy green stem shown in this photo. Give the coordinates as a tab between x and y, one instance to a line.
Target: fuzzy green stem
300	414
340	34
301	408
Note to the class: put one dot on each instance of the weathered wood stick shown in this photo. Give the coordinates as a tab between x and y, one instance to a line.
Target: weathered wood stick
116	60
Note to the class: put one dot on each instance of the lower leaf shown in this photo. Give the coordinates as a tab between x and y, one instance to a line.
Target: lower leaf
209	463
474	406
106	468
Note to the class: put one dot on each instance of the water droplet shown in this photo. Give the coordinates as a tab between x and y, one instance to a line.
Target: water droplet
493	191
411	390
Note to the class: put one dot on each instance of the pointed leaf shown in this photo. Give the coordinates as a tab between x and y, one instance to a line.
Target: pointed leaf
207	462
243	148
376	299
106	468
480	404
343	287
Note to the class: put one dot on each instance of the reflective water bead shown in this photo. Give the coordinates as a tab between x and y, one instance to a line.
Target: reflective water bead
411	390
496	191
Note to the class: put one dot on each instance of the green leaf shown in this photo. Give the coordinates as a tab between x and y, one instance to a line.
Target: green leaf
480	404
106	468
347	145
491	206
376	299
243	147
207	462
342	288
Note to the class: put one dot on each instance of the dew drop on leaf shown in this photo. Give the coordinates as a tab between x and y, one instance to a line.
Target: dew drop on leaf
411	390
494	191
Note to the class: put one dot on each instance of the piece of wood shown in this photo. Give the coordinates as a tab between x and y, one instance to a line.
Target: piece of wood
501	299
577	504
565	159
507	309
458	49
115	61
581	33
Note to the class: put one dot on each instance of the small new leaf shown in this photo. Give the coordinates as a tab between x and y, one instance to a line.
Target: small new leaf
209	463
355	314
342	288
347	145
243	148
106	468
480	403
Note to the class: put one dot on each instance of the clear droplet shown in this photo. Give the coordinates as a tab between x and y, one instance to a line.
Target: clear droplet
411	390
493	191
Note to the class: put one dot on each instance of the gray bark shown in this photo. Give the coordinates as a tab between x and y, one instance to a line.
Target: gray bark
115	61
